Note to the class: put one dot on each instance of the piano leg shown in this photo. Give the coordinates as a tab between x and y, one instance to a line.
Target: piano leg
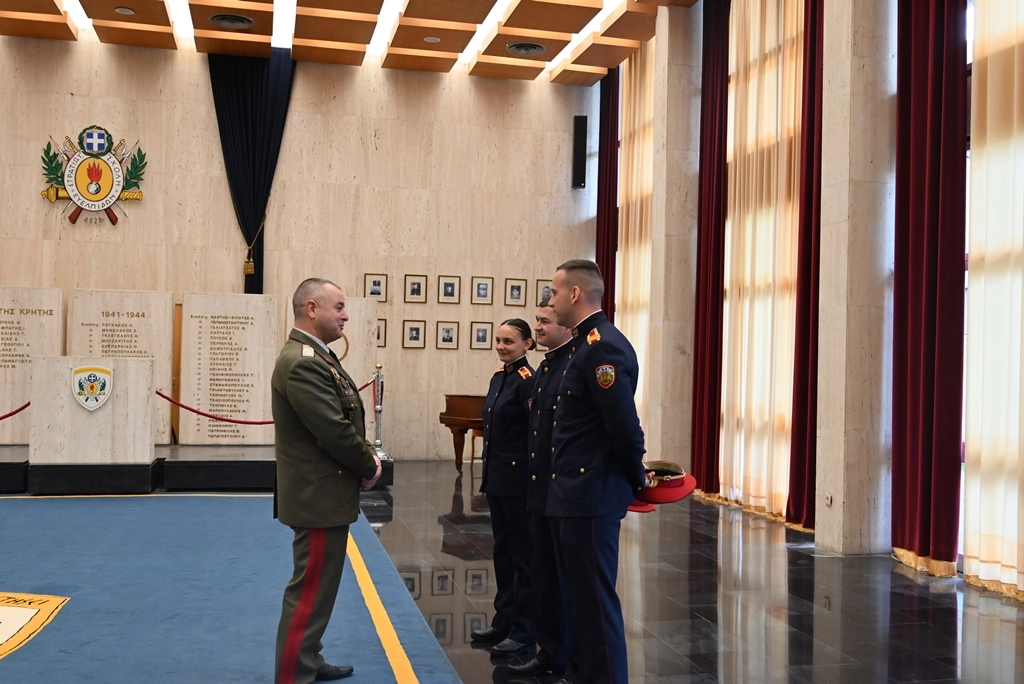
459	439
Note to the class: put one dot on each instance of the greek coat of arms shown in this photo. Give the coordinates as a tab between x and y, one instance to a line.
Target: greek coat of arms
94	175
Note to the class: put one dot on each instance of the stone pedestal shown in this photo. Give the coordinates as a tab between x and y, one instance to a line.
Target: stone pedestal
128	324
31	324
228	347
105	446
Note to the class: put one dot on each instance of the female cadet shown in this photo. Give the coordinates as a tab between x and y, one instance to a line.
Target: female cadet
506	421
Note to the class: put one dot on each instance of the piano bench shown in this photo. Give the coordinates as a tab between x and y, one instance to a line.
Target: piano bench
473	434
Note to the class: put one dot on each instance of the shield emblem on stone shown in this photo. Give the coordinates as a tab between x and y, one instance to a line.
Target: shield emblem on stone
92	385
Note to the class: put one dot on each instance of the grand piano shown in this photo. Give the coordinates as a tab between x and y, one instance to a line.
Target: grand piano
462	413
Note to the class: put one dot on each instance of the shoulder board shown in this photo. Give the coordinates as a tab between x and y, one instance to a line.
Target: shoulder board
501	369
593	337
307	350
525	372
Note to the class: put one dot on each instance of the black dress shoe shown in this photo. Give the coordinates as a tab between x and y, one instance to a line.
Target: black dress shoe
487	634
531	668
325	672
508	647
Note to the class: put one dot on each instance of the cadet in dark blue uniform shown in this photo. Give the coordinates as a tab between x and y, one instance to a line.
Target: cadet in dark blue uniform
554	637
596	468
506	420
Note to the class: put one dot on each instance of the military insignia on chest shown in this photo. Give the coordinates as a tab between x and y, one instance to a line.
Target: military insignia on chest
605	375
593	337
343	386
525	372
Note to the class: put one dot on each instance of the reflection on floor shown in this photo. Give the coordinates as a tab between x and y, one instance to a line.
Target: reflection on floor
710	594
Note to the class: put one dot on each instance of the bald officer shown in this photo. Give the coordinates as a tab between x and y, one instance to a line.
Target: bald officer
597	450
323	459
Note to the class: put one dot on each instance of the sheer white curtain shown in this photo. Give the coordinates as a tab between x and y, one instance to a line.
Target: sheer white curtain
766	57
636	205
993	516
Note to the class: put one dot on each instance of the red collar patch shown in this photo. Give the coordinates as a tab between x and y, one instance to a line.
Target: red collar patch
593	337
525	372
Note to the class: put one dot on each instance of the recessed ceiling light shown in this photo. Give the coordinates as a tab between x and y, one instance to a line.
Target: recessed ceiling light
127	11
431	39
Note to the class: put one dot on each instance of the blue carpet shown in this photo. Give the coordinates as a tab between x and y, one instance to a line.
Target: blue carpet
181	589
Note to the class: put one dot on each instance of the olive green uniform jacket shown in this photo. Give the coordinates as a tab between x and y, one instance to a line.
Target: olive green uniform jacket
320	437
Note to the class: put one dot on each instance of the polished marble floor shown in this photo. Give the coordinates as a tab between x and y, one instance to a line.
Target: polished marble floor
710	594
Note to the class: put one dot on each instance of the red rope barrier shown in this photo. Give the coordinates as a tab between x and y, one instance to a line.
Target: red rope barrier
365	386
210	415
16	411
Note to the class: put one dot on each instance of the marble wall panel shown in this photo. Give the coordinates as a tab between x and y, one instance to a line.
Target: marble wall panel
228	346
118	431
112	324
31	324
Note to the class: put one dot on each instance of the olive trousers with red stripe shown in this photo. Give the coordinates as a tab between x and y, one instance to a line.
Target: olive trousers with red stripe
308	602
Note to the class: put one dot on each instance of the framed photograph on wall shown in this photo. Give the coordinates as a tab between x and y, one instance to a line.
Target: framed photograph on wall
474	622
441	626
448	289
414	334
412	583
442	583
447	335
476	581
382	332
515	292
543	290
480	334
375	286
416	289
481	290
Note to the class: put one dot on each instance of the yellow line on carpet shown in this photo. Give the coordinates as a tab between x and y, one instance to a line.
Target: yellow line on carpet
400	664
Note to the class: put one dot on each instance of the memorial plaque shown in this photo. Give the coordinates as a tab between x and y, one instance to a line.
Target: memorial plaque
31	324
128	324
228	348
119	431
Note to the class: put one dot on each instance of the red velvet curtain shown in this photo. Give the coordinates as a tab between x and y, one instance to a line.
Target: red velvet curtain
608	187
803	450
928	282
707	348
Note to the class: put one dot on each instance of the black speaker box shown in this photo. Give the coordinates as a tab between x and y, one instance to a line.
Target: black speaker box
579	152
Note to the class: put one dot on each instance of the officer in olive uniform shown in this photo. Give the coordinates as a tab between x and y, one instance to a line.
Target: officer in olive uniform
506	419
597	450
554	637
322	460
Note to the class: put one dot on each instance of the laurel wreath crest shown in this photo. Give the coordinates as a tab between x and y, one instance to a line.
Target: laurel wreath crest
136	169
53	167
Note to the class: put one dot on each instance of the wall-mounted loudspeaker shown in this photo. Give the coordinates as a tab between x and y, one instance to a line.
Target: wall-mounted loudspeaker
579	152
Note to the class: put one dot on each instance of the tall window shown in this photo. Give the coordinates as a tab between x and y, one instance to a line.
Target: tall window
765	86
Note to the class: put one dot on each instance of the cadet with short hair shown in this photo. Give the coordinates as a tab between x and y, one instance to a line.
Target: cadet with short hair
597	450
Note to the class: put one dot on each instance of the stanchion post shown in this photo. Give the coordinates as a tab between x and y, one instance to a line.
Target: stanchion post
378	406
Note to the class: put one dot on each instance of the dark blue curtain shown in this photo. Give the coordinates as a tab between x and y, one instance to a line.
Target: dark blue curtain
251	96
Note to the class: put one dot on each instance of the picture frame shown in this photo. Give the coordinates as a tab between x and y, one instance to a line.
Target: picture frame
481	290
382	332
543	290
447	335
442	583
375	286
415	289
481	335
476	581
412	583
449	289
441	626
414	334
515	292
473	622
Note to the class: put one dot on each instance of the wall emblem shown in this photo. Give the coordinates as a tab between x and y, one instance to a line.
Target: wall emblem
92	386
95	174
